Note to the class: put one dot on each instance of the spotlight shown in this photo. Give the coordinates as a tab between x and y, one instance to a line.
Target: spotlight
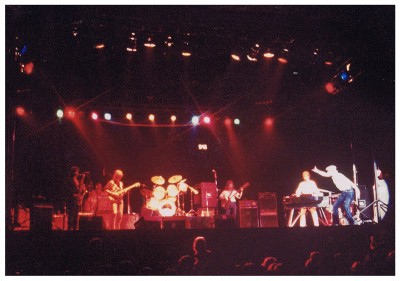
152	117
169	42
237	53
228	121
132	43
60	113
186	50
20	111
107	116
128	116
173	118
195	120
149	43
254	50
268	53
269	122
99	46
207	120
236	121
331	88
94	116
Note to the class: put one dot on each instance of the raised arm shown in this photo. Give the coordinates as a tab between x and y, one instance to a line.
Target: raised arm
321	173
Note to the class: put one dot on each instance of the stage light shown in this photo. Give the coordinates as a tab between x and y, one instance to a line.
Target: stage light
107	116
235	57
331	88
132	43
344	76
254	50
207	120
228	121
70	112
236	121
173	118
20	111
169	42
28	68
60	113
149	43
195	120
152	117
269	122
128	116
268	55
100	46
94	116
237	53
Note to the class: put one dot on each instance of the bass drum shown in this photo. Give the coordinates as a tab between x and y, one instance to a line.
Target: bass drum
167	207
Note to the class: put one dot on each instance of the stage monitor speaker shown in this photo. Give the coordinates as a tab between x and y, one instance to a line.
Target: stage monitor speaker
248	217
42	217
207	196
129	220
60	222
364	201
222	221
90	222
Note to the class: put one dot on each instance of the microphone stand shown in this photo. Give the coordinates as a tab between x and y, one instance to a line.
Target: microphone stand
216	191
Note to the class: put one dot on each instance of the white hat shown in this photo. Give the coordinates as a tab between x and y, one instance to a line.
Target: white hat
331	168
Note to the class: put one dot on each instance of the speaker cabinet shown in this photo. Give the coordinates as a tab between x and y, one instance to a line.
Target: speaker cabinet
87	221
364	201
42	217
248	217
60	222
207	196
268	207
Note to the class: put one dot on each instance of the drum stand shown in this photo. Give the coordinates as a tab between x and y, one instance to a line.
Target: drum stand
192	212
179	211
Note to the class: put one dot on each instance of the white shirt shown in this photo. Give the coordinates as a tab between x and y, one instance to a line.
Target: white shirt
342	182
232	194
307	187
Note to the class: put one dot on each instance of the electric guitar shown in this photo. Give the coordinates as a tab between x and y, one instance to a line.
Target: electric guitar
116	195
234	193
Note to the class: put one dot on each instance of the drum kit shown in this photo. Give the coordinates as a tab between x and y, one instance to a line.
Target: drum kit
167	200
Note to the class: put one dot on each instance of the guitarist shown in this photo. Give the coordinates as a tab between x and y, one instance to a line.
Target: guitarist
76	190
228	199
114	187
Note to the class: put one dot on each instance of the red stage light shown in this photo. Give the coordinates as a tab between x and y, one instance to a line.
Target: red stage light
228	122
94	116
28	69
269	122
207	120
20	111
330	88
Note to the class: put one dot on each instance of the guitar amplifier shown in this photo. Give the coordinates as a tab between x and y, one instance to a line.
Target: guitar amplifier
248	216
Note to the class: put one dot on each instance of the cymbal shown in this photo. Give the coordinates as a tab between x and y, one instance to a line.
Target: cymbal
158	180
175	179
146	193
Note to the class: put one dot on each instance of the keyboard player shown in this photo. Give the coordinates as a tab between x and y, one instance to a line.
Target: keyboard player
308	187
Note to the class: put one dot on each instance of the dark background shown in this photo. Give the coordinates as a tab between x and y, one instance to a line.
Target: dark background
311	127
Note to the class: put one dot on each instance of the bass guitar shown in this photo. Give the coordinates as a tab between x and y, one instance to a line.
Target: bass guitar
116	195
234	193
